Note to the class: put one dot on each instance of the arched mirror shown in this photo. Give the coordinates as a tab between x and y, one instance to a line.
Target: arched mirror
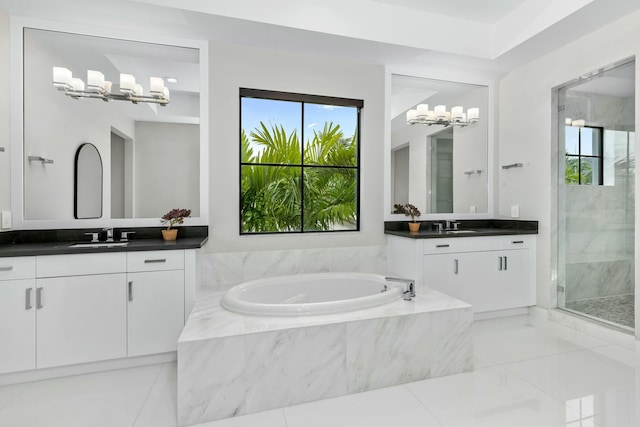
88	183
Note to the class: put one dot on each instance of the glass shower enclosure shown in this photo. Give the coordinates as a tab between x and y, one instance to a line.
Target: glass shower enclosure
596	195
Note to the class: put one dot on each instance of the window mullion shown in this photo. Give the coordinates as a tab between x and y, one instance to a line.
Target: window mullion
302	147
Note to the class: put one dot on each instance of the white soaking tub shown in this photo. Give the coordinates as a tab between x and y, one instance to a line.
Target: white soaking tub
311	294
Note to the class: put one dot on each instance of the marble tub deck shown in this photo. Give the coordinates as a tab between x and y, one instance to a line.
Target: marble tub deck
231	364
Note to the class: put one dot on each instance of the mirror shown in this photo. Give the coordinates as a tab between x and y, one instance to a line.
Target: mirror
439	169
151	153
88	183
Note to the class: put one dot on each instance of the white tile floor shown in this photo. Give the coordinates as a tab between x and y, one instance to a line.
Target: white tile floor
524	377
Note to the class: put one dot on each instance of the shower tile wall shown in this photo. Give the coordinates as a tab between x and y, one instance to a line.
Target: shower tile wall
221	271
600	219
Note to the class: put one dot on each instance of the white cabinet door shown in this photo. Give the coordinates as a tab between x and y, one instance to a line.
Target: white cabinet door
155	311
517	289
82	319
491	280
454	274
17	325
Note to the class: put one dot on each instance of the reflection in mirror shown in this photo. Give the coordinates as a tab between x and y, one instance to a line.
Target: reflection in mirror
438	168
88	183
151	153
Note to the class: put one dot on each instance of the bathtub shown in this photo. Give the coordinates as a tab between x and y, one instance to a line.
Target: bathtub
311	294
232	364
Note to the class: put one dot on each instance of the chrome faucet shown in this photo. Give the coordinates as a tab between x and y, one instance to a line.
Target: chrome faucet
410	291
109	234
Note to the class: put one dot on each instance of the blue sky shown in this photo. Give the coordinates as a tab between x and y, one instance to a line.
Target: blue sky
289	115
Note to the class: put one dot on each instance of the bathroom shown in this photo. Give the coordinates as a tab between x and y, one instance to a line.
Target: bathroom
522	123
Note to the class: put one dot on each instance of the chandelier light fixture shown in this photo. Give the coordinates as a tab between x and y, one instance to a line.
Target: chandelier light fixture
440	116
99	88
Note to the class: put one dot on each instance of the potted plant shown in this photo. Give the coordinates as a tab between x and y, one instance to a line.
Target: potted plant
173	217
409	210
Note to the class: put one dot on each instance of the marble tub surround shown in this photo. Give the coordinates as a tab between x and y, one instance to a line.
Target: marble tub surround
222	271
481	228
230	364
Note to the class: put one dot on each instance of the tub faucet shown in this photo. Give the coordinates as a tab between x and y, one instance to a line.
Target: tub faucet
410	291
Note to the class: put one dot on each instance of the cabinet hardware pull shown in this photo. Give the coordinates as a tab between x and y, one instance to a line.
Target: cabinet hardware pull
39	298
499	263
27	301
505	263
9	268
442	246
455	266
130	290
149	261
515	242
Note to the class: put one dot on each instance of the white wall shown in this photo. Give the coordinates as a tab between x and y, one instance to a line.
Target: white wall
55	126
5	103
526	129
167	168
470	152
232	67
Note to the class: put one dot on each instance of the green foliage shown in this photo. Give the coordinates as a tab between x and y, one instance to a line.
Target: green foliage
271	195
571	171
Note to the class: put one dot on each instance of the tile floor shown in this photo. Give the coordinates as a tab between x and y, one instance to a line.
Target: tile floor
524	376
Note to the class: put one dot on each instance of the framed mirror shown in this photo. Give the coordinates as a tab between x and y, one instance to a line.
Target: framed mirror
438	151
87	201
154	156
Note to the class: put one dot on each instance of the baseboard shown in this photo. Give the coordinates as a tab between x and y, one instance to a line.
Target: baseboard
85	368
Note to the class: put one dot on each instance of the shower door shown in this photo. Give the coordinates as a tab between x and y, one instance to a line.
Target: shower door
596	196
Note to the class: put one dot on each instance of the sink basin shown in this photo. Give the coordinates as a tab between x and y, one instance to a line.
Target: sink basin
460	231
99	245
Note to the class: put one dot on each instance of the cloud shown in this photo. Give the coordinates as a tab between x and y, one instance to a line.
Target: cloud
312	125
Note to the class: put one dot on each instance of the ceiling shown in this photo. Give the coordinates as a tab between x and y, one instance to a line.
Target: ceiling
485	38
486	11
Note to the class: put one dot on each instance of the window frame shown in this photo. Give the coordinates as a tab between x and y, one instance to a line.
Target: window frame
580	156
302	99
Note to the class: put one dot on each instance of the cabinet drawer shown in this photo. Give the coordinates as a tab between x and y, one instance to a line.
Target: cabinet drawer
17	268
155	261
81	264
476	244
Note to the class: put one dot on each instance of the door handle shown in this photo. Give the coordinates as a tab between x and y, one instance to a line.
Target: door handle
39	298
455	266
9	268
27	299
515	242
130	290
499	263
505	263
442	246
150	261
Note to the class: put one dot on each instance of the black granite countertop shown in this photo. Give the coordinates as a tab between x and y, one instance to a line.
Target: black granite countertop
57	242
467	228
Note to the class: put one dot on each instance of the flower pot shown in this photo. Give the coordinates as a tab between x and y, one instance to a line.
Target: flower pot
170	234
414	226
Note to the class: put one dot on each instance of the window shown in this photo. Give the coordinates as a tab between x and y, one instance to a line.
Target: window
299	163
584	155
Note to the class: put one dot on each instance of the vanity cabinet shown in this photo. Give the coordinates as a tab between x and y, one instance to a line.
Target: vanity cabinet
491	273
155	295
59	310
17	314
